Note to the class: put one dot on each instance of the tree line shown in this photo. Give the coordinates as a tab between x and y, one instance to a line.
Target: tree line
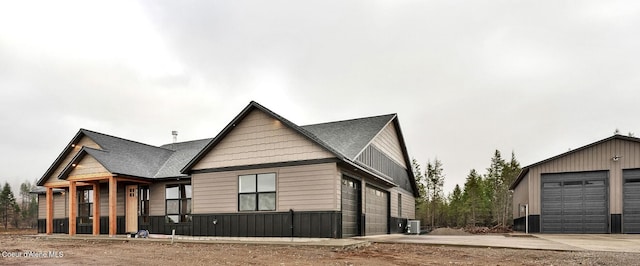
483	200
21	212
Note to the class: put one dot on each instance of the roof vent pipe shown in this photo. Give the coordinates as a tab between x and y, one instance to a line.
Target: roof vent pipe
175	136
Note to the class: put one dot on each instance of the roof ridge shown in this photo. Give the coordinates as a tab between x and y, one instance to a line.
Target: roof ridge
128	140
183	142
350	120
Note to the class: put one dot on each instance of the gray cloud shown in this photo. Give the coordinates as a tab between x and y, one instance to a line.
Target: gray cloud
465	77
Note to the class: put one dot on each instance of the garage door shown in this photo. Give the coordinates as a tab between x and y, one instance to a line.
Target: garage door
631	201
575	203
377	212
350	207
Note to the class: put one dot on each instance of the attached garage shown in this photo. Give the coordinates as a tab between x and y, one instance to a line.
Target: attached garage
631	201
575	203
377	211
350	207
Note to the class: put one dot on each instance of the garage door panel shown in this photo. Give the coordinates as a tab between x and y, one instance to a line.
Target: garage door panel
376	205
350	206
575	203
631	201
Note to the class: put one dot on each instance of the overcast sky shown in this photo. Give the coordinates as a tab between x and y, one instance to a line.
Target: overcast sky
465	77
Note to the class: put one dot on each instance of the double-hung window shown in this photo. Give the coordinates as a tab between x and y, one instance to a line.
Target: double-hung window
257	192
85	206
178	203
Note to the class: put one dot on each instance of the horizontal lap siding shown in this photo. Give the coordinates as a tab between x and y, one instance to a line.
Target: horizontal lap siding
42	206
594	158
85	141
215	192
308	188
521	196
301	188
260	139
408	203
387	142
59	205
156	199
88	166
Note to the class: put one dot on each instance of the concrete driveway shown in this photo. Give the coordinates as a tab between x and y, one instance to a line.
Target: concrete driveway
615	243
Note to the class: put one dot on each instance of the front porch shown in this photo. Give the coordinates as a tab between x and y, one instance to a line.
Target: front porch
84	193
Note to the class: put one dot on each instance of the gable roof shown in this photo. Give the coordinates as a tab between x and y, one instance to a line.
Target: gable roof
256	106
344	139
127	157
350	137
525	169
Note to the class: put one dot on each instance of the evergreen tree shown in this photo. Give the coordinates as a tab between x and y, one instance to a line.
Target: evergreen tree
8	206
421	207
494	188
510	171
473	197
435	181
456	207
28	205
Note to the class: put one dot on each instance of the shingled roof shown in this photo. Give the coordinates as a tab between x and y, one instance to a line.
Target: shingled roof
350	137
126	157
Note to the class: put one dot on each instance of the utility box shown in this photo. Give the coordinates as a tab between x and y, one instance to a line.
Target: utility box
413	227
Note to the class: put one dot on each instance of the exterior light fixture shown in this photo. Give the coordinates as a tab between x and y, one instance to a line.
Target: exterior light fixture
616	158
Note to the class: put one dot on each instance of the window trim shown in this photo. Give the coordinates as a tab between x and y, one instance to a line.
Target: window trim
144	201
85	220
185	217
257	192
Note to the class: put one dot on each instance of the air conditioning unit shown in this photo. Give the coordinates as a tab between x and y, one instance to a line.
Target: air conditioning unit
413	227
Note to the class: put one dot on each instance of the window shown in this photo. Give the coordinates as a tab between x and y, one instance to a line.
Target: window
257	192
399	205
144	204
85	206
178	203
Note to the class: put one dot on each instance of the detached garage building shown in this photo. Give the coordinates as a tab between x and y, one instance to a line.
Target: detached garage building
592	189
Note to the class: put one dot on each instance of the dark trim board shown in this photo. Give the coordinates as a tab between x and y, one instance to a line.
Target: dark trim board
616	223
398	225
519	224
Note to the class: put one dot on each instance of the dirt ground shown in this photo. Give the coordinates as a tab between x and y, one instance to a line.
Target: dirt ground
125	252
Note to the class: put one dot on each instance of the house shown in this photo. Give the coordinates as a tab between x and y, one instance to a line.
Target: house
261	176
591	189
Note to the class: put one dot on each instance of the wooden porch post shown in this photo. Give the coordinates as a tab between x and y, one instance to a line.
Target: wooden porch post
96	208
49	229
73	207
113	191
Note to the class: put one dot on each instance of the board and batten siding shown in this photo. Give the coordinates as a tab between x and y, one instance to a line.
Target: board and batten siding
84	141
88	167
408	203
260	139
521	196
595	158
301	188
387	142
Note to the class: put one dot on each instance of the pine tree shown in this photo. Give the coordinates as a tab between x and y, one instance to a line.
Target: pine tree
456	207
435	181
494	187
473	197
421	200
8	206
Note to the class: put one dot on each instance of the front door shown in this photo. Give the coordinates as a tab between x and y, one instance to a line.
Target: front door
131	214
